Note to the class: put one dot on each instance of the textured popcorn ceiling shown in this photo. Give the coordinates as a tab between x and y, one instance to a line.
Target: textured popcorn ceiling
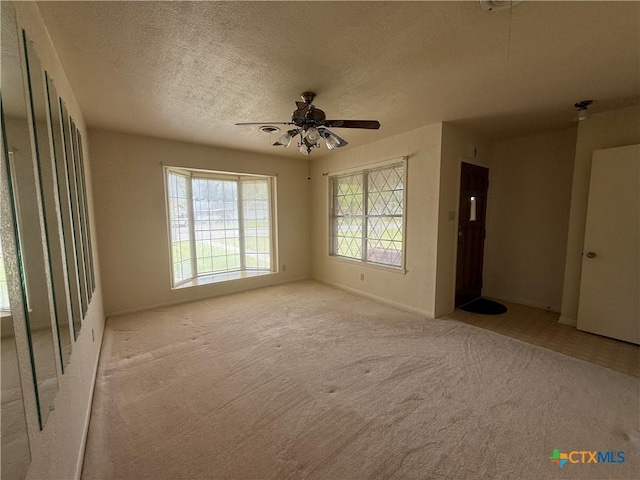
190	70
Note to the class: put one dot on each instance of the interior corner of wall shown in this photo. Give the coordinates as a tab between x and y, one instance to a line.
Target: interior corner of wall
568	321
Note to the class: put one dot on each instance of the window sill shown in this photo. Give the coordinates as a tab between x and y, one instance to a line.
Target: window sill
222	277
376	266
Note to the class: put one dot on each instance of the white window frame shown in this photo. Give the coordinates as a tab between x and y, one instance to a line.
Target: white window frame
229	275
364	170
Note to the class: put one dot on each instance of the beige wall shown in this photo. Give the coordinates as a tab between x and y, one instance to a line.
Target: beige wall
56	452
132	225
527	218
458	146
605	130
414	289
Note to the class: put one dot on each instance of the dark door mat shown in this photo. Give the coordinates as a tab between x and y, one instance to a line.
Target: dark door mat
484	307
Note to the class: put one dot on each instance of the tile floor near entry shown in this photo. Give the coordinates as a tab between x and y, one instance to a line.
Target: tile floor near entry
541	327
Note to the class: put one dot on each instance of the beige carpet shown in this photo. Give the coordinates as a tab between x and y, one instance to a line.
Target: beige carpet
307	381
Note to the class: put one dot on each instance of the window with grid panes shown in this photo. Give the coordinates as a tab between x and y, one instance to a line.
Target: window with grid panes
367	215
220	224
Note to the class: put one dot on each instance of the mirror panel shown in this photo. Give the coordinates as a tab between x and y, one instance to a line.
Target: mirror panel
47	185
15	454
72	178
82	231
25	172
15	451
91	281
68	274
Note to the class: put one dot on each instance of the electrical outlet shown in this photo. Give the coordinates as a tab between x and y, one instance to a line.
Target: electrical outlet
362	277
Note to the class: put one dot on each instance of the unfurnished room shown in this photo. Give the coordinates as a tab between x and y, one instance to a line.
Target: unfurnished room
338	240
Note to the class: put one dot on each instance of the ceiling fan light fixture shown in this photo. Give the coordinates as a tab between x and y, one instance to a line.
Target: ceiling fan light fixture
332	142
285	139
304	149
582	107
312	135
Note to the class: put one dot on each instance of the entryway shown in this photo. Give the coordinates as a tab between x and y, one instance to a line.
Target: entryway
474	182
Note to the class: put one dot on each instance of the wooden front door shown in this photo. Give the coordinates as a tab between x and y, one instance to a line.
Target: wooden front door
474	181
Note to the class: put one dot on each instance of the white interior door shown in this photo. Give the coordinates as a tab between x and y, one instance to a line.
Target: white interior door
610	287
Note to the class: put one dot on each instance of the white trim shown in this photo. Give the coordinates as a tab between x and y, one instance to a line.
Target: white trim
221	277
220	174
238	179
568	321
366	166
386	301
364	172
87	419
241	226
273	224
191	225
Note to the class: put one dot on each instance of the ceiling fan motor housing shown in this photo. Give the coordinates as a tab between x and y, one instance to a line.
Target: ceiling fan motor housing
308	97
310	116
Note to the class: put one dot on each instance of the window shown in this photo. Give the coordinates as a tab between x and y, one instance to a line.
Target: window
367	215
220	225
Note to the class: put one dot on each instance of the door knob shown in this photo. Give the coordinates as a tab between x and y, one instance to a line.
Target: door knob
591	254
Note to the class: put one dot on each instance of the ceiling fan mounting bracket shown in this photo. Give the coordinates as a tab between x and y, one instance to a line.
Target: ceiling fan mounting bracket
583	105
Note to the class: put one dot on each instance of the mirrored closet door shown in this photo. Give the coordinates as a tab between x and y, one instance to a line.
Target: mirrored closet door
15	353
47	183
46	262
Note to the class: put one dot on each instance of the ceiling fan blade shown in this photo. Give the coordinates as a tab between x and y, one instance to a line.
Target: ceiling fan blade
370	124
325	132
265	123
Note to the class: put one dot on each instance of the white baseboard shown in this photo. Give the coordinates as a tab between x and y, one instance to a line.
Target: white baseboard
568	321
386	301
85	433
